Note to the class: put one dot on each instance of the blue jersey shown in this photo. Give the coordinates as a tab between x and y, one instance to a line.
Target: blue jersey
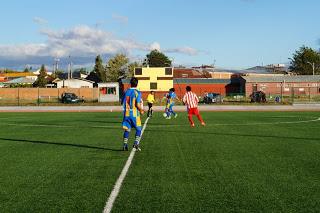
131	98
131	114
172	96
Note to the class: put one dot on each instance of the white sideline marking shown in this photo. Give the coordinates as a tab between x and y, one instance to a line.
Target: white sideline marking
164	126
117	186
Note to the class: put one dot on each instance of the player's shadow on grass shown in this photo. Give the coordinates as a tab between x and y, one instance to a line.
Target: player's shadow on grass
61	144
241	135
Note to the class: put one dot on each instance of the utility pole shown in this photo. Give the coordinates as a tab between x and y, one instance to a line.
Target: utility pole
312	64
70	68
56	65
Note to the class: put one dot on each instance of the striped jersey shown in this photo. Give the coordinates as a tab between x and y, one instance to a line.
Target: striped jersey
191	100
131	98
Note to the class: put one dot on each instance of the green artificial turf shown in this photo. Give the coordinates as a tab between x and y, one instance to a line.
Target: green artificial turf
239	162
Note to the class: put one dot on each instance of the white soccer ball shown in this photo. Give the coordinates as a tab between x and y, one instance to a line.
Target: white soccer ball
164	114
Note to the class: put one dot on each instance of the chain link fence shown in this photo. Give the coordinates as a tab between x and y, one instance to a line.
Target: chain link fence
288	95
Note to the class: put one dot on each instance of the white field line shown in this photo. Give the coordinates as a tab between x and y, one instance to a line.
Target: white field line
164	125
117	186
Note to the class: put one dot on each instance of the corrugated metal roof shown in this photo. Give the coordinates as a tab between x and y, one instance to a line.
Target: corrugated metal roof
74	79
22	80
192	81
297	78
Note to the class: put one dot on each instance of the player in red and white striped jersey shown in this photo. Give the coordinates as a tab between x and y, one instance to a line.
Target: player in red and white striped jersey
191	100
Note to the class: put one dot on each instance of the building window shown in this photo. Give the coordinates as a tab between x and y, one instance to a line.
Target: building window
153	86
138	71
108	90
168	71
84	86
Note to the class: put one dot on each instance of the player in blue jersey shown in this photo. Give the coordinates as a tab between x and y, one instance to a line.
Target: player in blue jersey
171	96
132	109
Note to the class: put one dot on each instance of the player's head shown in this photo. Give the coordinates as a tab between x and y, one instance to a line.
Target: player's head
172	90
152	92
134	82
188	88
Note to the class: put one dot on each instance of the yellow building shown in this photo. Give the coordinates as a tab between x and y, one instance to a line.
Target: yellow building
154	78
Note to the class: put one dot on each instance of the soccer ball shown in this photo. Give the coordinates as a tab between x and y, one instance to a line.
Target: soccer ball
164	115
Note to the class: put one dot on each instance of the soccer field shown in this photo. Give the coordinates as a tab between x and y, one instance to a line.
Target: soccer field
239	162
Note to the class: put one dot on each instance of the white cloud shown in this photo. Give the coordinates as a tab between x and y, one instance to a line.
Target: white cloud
155	46
81	42
183	50
120	18
40	21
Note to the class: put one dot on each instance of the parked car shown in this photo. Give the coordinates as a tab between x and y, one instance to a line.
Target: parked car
210	98
258	96
69	98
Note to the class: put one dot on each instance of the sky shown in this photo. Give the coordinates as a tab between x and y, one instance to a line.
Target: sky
233	34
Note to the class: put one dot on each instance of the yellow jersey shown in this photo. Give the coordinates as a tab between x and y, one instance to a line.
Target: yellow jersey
150	99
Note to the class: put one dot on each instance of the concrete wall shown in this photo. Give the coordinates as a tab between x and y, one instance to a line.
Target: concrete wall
199	89
32	94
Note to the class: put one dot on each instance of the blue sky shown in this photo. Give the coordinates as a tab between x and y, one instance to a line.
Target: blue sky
233	33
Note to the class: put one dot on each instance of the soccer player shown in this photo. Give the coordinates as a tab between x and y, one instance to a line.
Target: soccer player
150	100
170	103
191	100
132	108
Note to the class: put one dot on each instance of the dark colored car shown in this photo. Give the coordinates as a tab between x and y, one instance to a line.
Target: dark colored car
210	98
69	98
258	97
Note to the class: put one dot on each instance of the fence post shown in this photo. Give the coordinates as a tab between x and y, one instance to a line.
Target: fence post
92	94
38	96
18	97
309	95
292	95
281	93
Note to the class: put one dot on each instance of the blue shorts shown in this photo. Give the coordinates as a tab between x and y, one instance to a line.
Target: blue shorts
131	122
171	106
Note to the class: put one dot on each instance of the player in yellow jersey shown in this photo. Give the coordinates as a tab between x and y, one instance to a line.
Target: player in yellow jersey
150	100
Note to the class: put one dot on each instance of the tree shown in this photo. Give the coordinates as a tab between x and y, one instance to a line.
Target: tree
58	74
93	77
26	69
158	59
131	68
83	71
302	60
116	67
99	70
41	80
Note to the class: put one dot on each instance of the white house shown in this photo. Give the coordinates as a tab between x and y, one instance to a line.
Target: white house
74	83
108	92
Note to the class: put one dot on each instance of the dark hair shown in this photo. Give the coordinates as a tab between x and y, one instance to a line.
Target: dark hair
134	82
172	89
188	88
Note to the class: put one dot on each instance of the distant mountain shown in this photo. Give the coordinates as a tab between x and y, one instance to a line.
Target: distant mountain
36	62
